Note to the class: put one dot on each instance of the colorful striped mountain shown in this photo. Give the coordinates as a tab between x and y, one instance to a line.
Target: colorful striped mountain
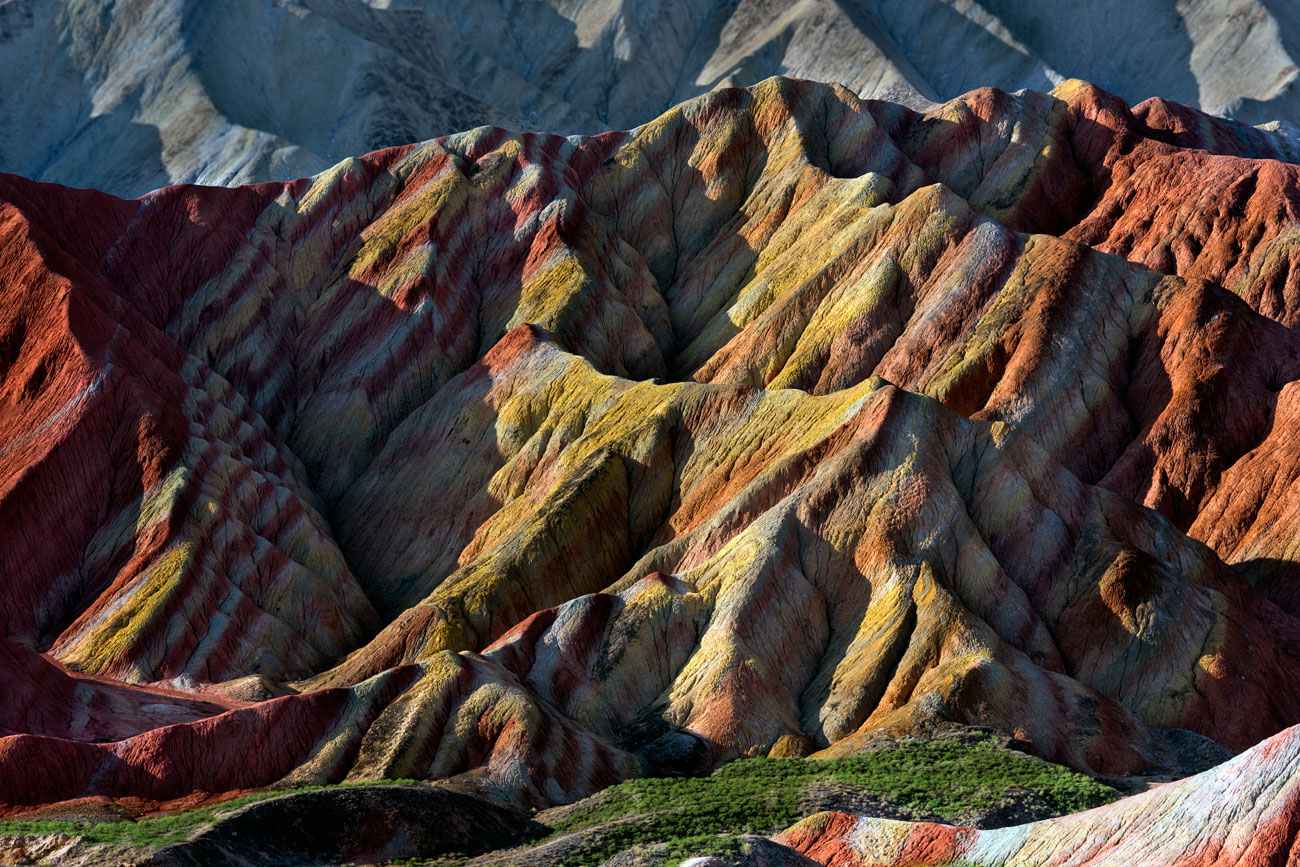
783	422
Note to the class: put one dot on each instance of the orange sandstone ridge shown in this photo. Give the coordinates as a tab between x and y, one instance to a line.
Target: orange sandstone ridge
781	421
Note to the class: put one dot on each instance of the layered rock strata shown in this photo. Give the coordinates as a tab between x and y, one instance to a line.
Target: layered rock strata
534	462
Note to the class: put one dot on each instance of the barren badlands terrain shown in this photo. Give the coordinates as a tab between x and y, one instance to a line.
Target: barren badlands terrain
791	478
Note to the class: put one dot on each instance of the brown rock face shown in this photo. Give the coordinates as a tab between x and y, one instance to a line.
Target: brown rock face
530	461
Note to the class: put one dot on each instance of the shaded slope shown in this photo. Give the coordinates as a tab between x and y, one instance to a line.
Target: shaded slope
190	547
240	91
330	826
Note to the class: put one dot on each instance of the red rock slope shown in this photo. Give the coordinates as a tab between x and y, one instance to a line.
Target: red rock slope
781	420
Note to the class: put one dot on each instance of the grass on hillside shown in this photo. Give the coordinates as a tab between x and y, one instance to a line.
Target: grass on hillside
684	816
701	815
153	831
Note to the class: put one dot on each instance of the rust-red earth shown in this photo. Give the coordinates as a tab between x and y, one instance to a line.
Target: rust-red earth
780	421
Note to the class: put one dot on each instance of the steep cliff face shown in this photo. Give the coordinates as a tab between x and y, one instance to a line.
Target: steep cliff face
242	91
783	420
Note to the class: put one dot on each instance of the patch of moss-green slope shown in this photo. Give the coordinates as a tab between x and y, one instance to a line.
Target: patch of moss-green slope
702	815
157	830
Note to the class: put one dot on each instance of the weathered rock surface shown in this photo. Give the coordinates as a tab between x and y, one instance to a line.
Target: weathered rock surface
239	91
779	423
1242	812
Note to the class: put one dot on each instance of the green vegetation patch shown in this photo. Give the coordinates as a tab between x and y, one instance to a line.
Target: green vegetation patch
667	819
151	831
701	815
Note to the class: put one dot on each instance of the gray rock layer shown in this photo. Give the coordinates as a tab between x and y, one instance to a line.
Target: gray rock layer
129	95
